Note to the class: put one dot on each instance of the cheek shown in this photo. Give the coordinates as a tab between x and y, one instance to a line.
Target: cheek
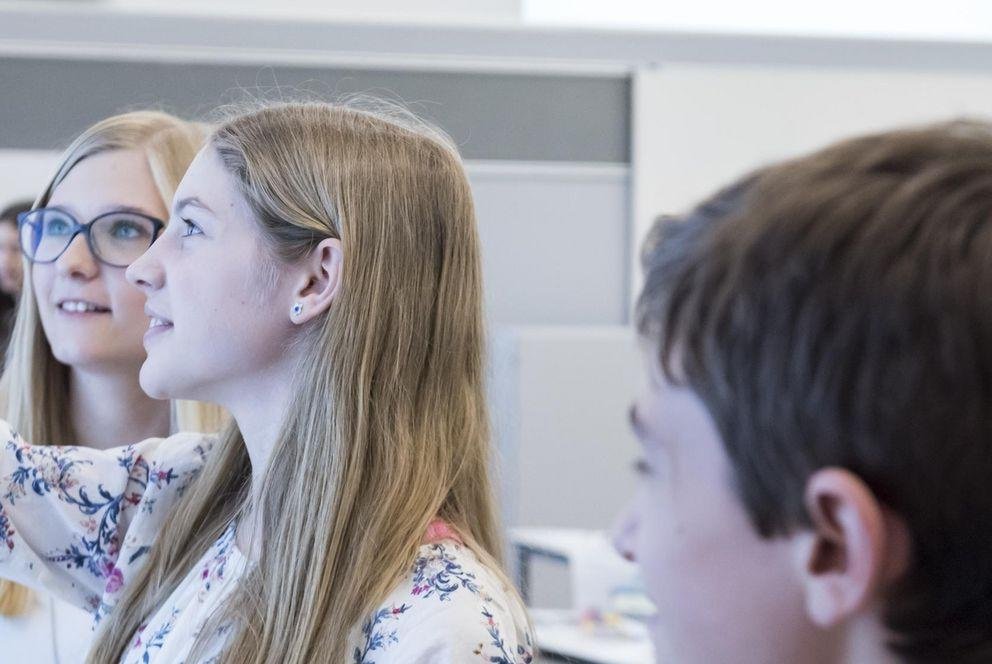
233	305
227	317
719	587
659	542
42	280
701	548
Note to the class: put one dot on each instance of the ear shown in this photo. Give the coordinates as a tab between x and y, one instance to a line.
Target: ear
318	282
857	547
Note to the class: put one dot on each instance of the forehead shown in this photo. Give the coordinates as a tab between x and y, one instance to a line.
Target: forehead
113	178
208	180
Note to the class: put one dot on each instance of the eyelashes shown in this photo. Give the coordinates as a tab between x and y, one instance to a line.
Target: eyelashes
190	228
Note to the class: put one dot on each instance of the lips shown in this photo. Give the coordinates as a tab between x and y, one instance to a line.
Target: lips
157	323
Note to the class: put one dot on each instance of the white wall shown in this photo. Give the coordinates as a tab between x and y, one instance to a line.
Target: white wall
560	397
697	127
24	172
554	241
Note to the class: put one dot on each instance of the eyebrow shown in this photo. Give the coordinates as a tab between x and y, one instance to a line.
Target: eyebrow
126	208
106	210
190	201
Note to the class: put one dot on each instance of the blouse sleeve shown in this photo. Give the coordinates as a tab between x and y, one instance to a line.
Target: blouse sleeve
76	521
451	609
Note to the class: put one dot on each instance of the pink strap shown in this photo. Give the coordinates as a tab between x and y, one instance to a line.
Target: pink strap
440	530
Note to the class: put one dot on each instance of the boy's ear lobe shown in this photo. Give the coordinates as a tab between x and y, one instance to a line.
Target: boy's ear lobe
855	548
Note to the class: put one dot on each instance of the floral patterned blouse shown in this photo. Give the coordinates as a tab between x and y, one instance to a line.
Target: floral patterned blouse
79	523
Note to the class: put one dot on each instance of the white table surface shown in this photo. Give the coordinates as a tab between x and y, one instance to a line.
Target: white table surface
558	633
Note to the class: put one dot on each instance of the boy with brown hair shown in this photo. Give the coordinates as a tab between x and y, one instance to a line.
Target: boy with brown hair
817	436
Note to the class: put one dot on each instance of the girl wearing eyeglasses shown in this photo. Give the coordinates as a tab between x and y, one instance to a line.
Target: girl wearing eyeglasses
76	350
321	279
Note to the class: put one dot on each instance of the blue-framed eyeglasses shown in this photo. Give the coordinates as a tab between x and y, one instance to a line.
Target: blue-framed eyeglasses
115	238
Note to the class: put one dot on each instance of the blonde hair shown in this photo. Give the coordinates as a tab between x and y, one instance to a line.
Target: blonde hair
34	386
389	428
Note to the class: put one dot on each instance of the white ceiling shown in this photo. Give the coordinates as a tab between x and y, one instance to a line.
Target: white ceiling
947	20
384	10
967	20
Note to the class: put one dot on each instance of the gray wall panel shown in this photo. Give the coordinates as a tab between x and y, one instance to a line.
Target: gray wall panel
555	237
555	243
491	116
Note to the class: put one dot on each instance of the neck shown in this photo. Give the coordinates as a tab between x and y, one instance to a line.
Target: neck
259	408
865	642
110	409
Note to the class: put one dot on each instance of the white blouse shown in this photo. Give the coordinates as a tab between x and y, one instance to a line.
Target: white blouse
79	523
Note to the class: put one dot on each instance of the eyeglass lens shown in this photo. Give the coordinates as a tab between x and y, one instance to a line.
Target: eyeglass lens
118	238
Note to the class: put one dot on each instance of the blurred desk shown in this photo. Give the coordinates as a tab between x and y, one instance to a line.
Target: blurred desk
559	634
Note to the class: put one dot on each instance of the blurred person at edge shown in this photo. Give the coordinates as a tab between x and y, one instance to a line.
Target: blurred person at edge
11	268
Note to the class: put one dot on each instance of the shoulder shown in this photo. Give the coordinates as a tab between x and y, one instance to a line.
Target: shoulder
158	473
155	463
185	449
167	458
449	607
159	470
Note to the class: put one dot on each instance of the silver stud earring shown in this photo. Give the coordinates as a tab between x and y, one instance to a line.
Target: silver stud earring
297	309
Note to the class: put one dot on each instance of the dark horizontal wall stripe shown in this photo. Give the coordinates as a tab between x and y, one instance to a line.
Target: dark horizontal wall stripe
492	116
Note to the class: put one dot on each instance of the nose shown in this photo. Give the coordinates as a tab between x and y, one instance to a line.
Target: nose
77	261
146	271
624	532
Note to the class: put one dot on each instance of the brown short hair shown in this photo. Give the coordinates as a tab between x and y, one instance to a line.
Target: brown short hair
836	310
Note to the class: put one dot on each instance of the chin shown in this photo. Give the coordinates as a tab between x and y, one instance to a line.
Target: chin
163	382
81	358
154	384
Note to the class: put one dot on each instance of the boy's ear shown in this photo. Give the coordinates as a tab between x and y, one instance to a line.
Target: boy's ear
855	549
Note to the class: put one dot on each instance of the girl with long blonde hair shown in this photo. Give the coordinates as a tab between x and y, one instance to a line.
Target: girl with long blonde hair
73	361
321	280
